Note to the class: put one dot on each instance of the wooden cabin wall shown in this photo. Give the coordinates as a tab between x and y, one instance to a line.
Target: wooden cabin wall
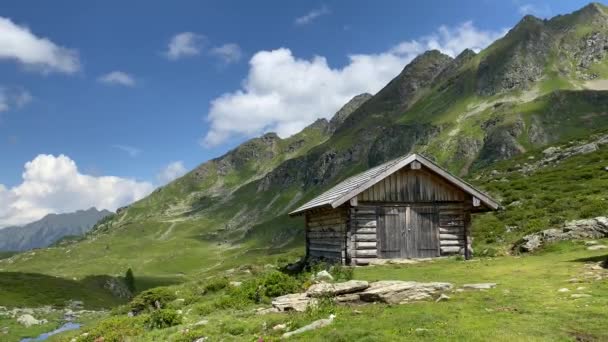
362	236
407	185
326	234
453	219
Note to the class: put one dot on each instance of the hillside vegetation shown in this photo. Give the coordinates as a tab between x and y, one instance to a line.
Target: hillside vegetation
490	117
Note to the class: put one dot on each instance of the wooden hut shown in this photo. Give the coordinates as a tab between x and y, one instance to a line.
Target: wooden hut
406	208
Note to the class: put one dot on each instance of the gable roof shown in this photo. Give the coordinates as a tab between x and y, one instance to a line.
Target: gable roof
351	187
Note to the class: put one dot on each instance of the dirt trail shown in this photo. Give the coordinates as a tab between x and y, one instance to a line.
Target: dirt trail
166	234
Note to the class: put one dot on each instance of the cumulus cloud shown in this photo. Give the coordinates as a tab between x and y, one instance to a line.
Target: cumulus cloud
172	171
542	11
11	97
185	44
228	53
18	43
53	184
283	93
312	15
130	150
117	77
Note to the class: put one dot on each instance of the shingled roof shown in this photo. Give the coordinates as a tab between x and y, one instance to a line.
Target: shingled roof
351	187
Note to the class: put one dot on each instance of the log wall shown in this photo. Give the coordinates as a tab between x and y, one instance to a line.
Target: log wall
453	219
362	236
326	234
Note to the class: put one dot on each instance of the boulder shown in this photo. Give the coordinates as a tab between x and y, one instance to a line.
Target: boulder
479	286
580	295
293	302
442	297
29	320
397	292
594	228
345	298
326	289
596	247
264	311
323	276
312	326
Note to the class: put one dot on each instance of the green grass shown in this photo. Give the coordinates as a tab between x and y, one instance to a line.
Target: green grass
525	306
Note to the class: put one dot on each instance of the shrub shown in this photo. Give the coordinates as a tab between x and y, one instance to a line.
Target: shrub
115	329
163	318
342	273
130	280
216	284
149	299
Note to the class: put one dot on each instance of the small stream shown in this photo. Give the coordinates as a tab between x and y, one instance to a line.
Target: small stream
66	327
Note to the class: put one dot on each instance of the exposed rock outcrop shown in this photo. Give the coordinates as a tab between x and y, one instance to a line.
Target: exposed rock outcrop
594	228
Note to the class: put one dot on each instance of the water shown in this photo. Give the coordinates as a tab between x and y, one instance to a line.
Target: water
66	327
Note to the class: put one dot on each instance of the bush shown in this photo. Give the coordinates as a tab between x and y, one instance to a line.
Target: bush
130	280
342	273
216	284
163	318
149	299
115	329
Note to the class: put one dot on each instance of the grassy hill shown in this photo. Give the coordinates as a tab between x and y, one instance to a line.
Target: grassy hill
486	116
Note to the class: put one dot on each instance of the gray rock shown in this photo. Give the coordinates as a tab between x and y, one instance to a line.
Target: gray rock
563	289
293	302
580	295
323	276
591	243
282	326
326	289
264	311
235	283
596	247
479	286
350	297
28	320
312	326
594	228
397	292
442	297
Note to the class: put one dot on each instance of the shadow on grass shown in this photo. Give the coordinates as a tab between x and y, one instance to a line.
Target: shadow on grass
596	258
20	289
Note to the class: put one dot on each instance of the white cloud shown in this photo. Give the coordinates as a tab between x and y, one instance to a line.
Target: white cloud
55	185
19	44
283	93
312	15
13	98
228	53
117	77
130	150
185	44
172	171
542	11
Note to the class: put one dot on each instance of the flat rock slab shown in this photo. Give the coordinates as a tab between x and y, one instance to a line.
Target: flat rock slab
327	289
397	291
596	247
480	286
293	302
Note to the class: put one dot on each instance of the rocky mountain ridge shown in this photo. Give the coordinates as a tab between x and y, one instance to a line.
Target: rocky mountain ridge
49	229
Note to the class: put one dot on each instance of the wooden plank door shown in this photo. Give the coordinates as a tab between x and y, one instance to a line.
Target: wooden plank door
423	233
391	231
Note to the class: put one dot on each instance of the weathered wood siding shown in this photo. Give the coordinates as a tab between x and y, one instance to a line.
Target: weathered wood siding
452	220
362	236
326	234
408	185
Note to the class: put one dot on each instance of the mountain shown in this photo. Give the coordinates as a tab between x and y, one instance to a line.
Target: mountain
544	83
49	229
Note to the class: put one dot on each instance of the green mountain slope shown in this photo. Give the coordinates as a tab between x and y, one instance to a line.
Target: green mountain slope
541	84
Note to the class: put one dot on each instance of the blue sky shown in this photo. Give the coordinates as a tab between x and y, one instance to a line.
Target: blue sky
98	82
